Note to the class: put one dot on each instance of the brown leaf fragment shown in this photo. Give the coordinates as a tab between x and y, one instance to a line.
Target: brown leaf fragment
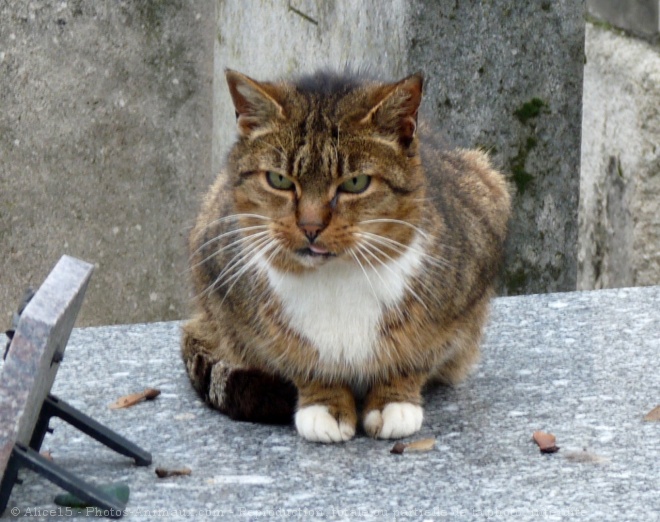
417	445
421	445
134	398
545	441
653	415
164	473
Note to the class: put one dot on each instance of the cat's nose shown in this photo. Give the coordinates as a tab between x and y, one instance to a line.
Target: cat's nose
311	230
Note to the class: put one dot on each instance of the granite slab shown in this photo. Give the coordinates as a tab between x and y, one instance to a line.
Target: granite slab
37	347
583	365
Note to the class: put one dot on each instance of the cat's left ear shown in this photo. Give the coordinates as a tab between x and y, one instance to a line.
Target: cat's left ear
257	103
394	108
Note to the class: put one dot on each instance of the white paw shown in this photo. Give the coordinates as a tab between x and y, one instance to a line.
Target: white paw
396	420
316	424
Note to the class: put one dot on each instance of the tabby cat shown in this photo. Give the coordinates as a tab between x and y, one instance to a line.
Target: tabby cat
342	259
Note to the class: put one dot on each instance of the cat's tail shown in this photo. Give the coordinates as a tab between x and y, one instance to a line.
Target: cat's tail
243	394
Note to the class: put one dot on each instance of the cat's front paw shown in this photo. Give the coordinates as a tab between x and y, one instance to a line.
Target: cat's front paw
394	421
315	423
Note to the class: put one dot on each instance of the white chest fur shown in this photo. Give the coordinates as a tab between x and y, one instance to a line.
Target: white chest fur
338	307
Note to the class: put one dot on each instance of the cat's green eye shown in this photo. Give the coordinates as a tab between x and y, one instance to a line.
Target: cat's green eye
278	181
355	185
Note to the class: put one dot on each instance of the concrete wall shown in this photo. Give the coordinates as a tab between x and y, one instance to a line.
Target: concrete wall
620	188
640	17
105	146
507	76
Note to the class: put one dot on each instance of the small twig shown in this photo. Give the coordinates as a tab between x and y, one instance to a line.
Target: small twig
303	15
164	473
131	400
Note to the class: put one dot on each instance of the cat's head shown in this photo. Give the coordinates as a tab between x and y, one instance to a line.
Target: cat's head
326	168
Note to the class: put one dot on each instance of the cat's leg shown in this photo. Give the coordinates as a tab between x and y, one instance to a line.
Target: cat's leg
249	394
240	392
393	409
325	413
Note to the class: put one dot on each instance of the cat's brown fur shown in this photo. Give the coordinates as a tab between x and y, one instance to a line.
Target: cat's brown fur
438	221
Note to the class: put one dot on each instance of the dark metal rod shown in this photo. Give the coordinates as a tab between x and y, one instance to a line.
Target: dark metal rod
9	478
54	407
28	458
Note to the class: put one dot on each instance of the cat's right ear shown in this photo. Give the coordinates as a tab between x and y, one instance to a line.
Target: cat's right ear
394	108
256	104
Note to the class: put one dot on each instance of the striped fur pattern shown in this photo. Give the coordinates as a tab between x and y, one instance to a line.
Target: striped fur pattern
341	261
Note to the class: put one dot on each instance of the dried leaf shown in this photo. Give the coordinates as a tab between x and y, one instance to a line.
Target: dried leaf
163	473
545	441
417	445
131	400
653	415
421	445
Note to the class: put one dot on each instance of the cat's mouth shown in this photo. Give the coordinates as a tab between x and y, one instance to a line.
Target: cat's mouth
315	251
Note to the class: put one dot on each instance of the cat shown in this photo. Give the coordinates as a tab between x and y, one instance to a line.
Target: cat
342	260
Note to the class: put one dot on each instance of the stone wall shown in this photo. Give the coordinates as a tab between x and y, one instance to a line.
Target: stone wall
105	147
620	186
507	76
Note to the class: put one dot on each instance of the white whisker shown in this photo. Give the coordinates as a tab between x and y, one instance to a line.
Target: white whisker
407	285
401	248
241	256
373	291
363	248
228	246
261	268
235	262
398	222
235	217
254	260
229	233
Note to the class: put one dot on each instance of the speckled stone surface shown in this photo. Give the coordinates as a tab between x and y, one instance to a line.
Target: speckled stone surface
584	366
